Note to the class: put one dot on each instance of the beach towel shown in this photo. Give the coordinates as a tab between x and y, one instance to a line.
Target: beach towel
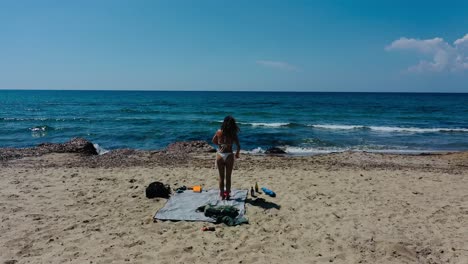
183	206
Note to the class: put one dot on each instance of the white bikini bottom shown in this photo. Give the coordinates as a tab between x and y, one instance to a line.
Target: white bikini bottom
224	155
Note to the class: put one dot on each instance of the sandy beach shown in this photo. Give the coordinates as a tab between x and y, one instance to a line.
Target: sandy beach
351	207
353	113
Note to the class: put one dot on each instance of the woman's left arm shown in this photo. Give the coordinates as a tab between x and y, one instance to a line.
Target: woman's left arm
238	146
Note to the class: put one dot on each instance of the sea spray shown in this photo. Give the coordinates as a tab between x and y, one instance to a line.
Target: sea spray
99	149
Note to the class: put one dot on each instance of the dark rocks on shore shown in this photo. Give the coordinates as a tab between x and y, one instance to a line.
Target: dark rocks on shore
10	153
175	154
190	147
275	150
75	145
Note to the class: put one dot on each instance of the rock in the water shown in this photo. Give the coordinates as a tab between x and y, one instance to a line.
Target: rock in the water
275	150
75	145
190	147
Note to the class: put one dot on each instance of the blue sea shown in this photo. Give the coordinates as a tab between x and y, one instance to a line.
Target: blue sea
300	123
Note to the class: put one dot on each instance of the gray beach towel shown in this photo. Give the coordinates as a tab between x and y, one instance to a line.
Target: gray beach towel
183	206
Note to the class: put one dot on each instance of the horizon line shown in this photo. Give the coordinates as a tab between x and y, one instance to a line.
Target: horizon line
248	91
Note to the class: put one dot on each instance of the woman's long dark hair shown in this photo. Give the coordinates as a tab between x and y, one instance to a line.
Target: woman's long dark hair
229	127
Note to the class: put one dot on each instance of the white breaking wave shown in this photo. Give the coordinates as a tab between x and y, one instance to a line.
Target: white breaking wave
258	150
306	151
338	127
267	124
391	129
36	129
100	150
417	129
312	151
296	150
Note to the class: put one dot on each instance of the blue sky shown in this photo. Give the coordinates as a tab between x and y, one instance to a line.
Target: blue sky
381	46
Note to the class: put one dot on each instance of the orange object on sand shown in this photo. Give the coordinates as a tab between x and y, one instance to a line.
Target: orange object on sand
197	188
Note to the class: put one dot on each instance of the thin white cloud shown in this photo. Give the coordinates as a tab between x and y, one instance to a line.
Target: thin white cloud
280	65
443	56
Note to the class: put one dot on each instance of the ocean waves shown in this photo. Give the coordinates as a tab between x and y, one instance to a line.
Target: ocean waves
46	119
392	128
41	129
255	124
306	151
300	123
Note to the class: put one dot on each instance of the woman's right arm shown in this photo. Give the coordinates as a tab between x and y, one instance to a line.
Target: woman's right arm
215	138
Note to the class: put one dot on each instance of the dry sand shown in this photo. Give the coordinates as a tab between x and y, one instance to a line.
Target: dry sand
340	208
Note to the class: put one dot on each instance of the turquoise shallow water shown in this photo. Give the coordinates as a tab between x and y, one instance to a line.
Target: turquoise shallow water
301	123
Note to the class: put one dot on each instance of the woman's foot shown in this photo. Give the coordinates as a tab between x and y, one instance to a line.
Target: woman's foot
227	195
221	194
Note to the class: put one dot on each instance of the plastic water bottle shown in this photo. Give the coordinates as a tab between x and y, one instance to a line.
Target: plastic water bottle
269	192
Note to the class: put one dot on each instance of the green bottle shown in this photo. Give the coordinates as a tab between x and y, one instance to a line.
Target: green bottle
256	187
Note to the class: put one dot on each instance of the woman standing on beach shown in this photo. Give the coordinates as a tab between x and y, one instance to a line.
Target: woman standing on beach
224	139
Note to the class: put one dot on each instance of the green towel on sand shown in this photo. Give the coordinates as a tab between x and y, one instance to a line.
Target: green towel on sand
223	214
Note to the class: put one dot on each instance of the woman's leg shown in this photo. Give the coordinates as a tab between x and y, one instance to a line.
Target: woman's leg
221	167
229	165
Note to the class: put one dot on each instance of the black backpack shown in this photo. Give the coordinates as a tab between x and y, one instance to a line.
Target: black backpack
158	189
